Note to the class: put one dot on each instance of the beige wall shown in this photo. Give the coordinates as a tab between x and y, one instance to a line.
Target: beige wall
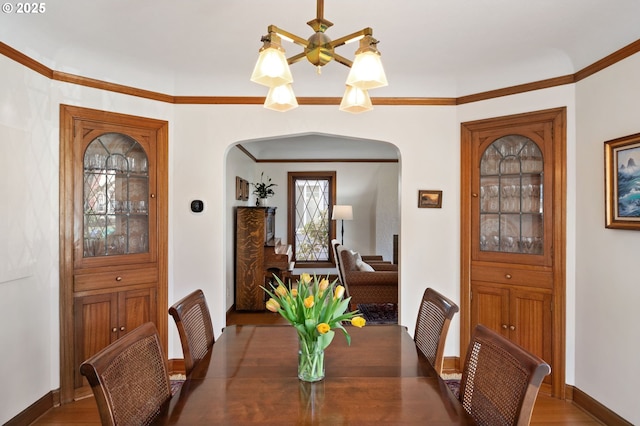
601	326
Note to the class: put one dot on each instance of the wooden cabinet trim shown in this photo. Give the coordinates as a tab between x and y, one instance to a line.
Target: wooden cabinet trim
555	224
157	258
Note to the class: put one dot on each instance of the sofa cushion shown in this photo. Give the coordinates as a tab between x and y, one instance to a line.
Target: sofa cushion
363	266
348	260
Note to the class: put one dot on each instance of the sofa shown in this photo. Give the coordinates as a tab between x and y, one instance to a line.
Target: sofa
367	279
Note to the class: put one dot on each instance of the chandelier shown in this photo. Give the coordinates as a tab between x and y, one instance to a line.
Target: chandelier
272	68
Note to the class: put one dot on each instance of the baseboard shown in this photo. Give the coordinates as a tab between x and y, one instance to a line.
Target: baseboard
451	365
35	410
176	366
596	409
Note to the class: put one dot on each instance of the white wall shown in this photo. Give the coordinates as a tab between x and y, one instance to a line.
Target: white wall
602	325
607	280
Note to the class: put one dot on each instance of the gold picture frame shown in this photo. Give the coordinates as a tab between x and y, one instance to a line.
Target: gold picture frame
622	180
428	199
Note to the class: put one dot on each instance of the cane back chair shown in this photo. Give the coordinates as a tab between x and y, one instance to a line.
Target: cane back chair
130	378
432	326
500	380
193	320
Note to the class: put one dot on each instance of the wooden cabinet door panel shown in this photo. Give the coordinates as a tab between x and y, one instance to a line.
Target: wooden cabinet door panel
490	307
135	307
95	321
531	321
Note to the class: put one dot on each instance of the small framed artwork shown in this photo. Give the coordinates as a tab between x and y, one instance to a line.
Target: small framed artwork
242	189
429	199
245	190
622	182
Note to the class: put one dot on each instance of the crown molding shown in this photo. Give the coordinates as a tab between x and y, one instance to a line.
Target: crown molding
36	66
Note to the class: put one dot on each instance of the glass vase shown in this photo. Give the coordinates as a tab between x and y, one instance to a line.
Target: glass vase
310	361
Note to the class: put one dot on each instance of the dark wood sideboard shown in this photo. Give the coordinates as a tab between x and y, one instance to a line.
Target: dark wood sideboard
259	255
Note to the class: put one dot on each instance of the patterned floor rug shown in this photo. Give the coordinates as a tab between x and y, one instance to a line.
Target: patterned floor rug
379	313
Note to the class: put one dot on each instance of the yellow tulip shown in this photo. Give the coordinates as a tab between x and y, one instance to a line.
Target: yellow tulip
305	278
358	322
323	328
324	283
294	292
281	290
273	305
339	292
308	302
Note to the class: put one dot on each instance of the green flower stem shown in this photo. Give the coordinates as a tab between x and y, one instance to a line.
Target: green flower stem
310	360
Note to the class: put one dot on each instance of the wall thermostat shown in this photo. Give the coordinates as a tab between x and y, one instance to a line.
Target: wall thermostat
197	206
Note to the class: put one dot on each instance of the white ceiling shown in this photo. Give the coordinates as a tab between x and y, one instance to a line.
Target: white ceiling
430	48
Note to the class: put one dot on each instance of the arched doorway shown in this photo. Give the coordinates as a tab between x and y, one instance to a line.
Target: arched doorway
368	177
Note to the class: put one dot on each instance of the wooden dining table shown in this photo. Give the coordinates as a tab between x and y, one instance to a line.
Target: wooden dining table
250	377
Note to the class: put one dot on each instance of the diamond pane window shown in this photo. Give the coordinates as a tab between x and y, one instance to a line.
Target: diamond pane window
312	199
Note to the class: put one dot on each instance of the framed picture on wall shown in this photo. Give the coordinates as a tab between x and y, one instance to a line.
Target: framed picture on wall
242	189
429	199
622	182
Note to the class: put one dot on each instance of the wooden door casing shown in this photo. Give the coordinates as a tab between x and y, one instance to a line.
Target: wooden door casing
103	297
535	282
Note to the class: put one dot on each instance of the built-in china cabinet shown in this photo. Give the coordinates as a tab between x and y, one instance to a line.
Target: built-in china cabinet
513	233
113	221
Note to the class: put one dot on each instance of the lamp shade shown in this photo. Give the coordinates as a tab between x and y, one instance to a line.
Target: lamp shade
367	71
342	213
281	98
272	68
355	100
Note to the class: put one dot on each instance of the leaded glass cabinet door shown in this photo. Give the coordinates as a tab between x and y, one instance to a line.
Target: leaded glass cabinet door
511	196
116	193
511	190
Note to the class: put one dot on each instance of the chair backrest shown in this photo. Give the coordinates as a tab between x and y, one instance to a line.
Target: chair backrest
192	318
130	378
432	325
500	380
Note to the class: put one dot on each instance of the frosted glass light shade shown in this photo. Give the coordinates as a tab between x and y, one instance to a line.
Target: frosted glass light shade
367	71
355	100
272	69
281	98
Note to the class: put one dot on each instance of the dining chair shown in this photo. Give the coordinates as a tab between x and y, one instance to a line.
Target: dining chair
193	320
432	325
129	378
500	380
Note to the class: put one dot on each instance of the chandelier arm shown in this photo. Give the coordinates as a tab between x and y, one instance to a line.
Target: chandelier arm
352	37
296	58
287	35
341	59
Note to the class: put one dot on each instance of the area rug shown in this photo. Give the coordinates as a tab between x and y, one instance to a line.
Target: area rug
176	381
453	383
379	313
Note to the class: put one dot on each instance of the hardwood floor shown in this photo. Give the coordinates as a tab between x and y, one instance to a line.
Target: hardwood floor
548	411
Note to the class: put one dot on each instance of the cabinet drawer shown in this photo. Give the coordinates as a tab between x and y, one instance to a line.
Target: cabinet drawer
99	280
513	276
